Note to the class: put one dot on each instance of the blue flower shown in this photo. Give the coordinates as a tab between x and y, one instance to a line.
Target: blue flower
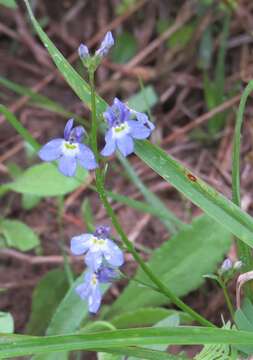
90	290
102	51
226	265
124	126
99	249
105	45
69	151
83	51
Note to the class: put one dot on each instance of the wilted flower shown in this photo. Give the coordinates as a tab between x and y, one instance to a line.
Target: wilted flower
69	151
98	248
226	265
123	128
90	290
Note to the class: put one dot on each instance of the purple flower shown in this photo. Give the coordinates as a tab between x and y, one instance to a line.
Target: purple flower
98	249
102	51
105	45
69	151
90	290
226	265
106	274
123	128
83	51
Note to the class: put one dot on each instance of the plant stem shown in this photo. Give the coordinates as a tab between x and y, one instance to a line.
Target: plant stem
130	247
227	298
244	251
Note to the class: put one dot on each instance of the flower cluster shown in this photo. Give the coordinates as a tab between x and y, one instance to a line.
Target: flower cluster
124	126
102	257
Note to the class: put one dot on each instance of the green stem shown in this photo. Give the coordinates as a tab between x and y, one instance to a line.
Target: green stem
227	298
130	247
244	251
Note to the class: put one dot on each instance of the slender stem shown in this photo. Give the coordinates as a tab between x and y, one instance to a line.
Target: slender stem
244	251
93	114
227	298
130	247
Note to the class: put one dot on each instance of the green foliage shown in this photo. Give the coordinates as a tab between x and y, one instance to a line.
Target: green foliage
217	352
18	235
6	323
145	317
204	196
170	221
30	201
45	180
244	321
45	300
181	37
125	48
37	99
180	262
123	340
9	3
144	99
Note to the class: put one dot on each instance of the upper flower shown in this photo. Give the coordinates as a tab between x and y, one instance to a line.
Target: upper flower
98	249
124	125
102	51
69	151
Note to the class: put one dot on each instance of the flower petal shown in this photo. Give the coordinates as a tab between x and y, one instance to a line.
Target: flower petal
67	165
51	150
125	145
113	254
143	119
94	300
80	244
93	259
110	144
86	157
138	131
83	290
123	110
68	128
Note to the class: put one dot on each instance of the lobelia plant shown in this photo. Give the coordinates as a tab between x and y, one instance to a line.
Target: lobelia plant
127	133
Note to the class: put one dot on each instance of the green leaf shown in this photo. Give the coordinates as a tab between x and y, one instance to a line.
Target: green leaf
29	201
45	300
6	323
145	317
180	262
18	235
125	48
13	345
182	36
144	99
9	3
244	321
204	196
170	321
45	180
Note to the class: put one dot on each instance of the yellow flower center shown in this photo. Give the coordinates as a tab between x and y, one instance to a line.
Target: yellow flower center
119	128
70	146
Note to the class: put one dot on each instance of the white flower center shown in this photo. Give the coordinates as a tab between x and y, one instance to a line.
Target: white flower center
120	130
97	244
70	149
